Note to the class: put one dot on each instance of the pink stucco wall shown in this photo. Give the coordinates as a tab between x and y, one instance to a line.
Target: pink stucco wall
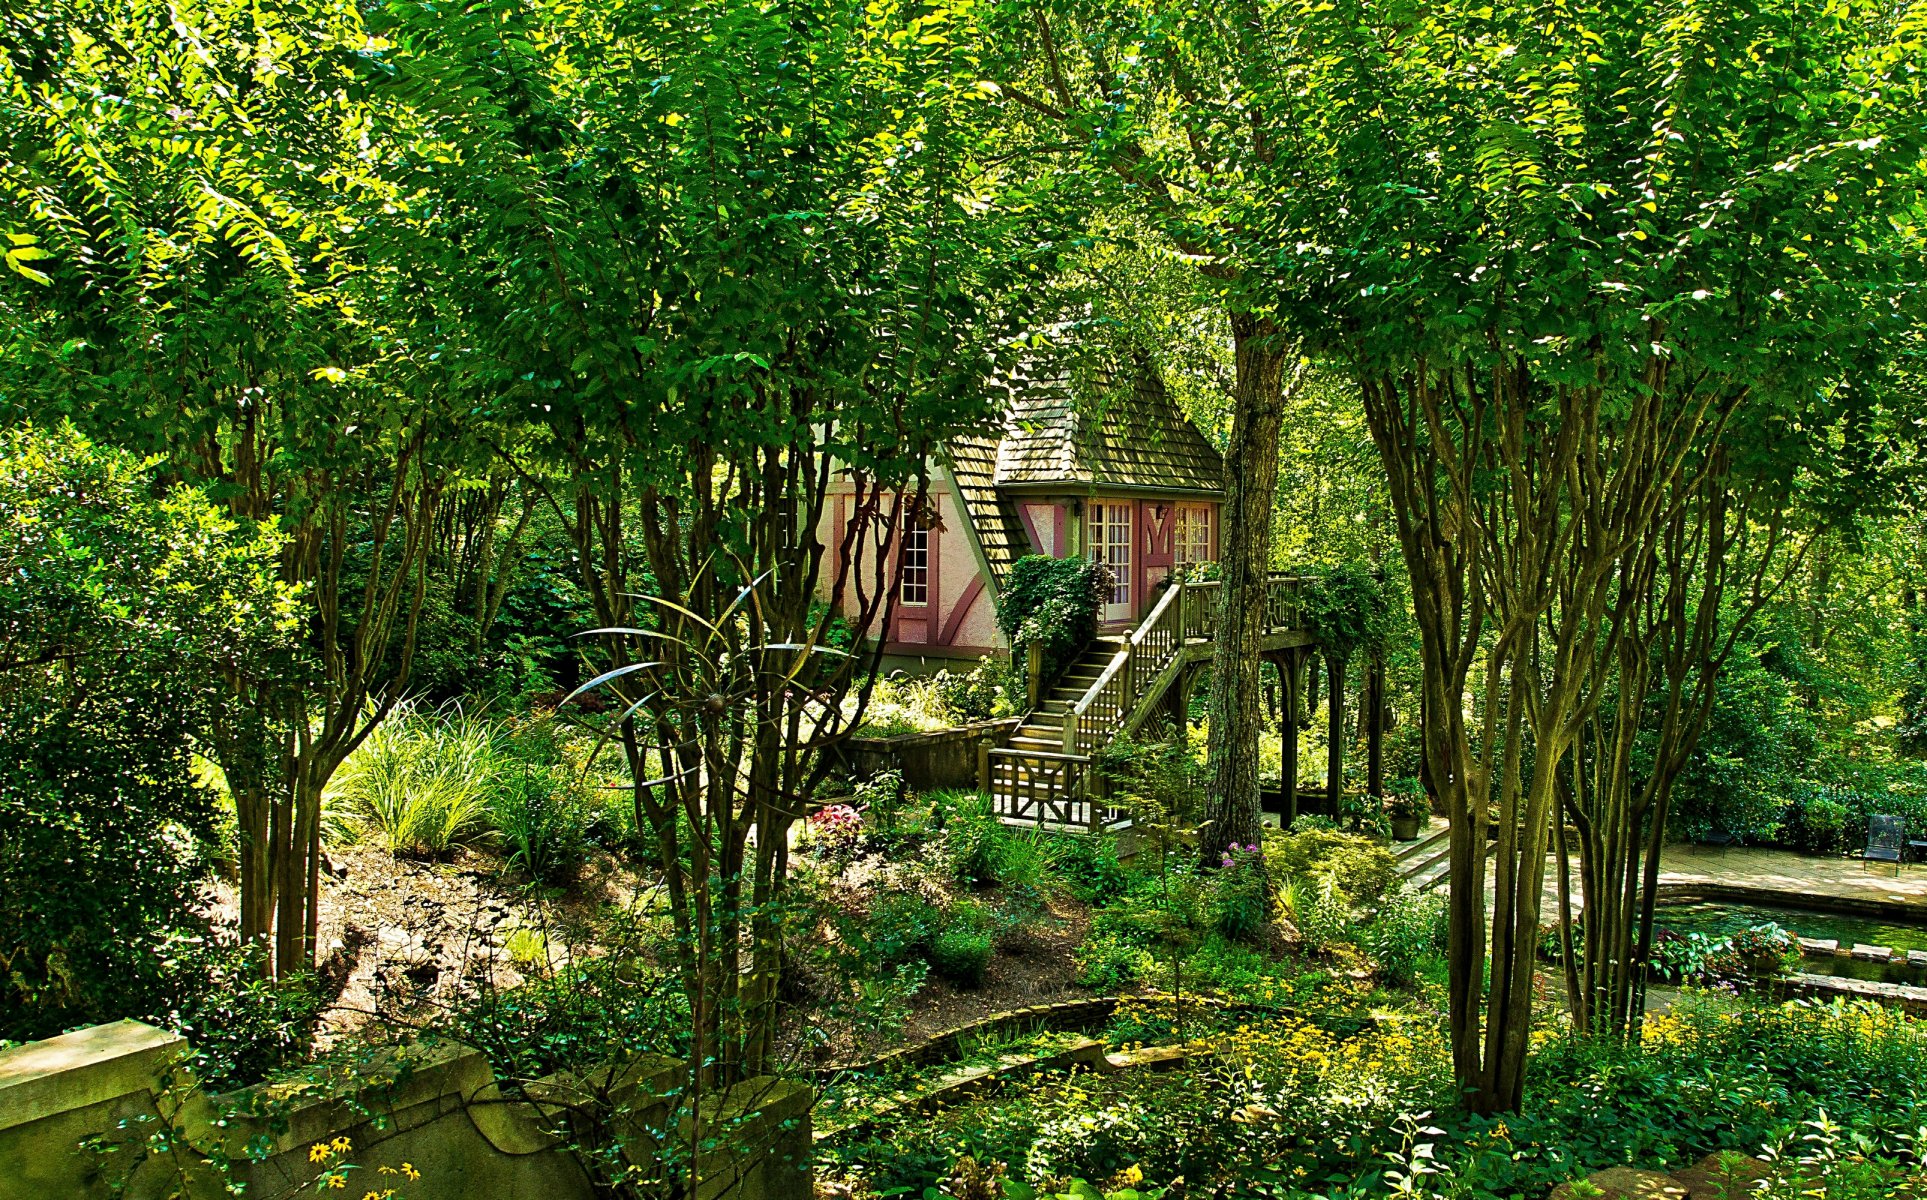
960	617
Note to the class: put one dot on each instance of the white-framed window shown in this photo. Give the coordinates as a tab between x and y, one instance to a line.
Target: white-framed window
1191	538
916	562
1111	545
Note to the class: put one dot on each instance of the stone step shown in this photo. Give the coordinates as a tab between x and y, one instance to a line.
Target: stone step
1424	845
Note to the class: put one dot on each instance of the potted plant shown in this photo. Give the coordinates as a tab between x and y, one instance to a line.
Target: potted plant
1765	951
1405	806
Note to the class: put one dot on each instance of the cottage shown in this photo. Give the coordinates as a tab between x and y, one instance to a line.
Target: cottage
1124	478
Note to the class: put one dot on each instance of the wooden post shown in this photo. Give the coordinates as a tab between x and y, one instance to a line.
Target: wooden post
1033	675
1288	664
1335	729
983	765
1070	731
1375	726
1184	626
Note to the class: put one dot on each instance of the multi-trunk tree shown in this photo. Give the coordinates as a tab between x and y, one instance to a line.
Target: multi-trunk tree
194	181
697	266
1561	251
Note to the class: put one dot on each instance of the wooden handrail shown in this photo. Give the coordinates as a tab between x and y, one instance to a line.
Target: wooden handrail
1150	620
1045	755
1111	669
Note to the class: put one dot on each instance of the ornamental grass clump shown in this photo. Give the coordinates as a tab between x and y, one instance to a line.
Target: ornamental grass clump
419	784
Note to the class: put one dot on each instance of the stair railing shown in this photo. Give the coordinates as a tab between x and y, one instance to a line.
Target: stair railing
1104	707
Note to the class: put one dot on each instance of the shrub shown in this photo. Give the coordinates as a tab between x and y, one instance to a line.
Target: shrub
1109	963
242	1027
1407	927
593	1010
1319	909
961	952
1235	899
117	598
1361	869
900	704
836	828
899	927
1826	824
1088	865
982	693
1052	602
543	821
982	851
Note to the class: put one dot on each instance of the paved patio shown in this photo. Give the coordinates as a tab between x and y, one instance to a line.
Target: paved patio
1785	871
1743	866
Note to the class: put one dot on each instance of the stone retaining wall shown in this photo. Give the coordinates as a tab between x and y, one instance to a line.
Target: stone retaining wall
942	758
440	1110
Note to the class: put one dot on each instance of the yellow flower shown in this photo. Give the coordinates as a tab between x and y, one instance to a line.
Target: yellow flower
1132	1176
409	1170
318	1152
342	1145
336	1181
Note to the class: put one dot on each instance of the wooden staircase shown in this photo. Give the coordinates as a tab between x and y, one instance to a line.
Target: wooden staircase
1043	775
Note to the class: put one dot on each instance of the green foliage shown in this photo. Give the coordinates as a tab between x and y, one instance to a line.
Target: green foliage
988	690
900	925
1360	869
1109	963
242	1028
419	783
1345	609
962	947
1319	911
540	812
1294	1110
1407	927
905	703
1088	865
1054	603
429	779
1236	900
592	1010
122	604
981	851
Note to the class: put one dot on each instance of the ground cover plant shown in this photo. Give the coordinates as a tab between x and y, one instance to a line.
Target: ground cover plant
1283	1107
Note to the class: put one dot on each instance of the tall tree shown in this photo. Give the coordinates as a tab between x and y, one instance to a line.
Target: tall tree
1176	111
693	264
1560	247
191	174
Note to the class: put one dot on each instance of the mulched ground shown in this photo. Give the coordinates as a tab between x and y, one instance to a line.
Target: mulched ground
402	940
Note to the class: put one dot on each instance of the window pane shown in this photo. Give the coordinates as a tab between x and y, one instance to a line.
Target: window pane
916	562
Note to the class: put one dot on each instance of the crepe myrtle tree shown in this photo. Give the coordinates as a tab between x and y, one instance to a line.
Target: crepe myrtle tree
188	186
1562	251
702	263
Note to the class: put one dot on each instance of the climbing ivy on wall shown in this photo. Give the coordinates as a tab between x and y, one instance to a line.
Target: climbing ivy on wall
1053	602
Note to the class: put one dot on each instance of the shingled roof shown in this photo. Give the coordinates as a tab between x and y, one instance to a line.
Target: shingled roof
1000	534
1131	436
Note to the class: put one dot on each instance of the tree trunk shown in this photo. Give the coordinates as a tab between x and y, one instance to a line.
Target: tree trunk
1375	726
1251	485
